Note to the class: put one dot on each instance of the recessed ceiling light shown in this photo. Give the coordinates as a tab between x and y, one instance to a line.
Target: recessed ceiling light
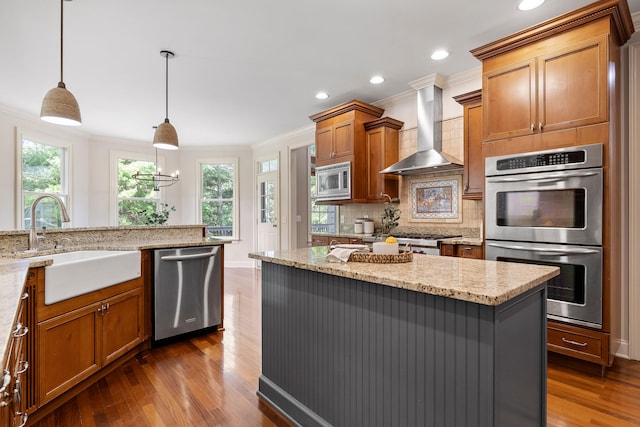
322	95
529	4
376	80
439	54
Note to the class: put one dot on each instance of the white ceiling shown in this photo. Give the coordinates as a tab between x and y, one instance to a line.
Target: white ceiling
244	71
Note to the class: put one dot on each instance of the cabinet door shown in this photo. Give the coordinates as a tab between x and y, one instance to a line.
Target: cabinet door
473	160
324	145
573	86
67	351
343	134
509	101
121	324
375	163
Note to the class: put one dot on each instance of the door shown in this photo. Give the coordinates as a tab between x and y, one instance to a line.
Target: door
268	226
121	324
509	98
573	86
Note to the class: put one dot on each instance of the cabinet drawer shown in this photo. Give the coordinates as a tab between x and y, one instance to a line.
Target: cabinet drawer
447	250
319	240
469	251
575	344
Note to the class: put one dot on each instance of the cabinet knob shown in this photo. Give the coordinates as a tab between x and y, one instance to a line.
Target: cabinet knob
533	127
540	125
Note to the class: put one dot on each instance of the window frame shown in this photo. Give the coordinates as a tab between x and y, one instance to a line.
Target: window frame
66	176
114	198
235	228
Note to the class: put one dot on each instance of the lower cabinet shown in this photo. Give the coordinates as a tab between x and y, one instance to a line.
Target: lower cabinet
326	240
77	343
581	343
462	251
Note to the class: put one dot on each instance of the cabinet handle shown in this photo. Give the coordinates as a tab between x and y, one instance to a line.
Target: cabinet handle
25	366
108	308
25	417
6	380
540	125
20	331
581	344
24	296
100	309
533	127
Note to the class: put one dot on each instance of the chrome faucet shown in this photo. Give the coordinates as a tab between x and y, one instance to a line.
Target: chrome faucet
33	234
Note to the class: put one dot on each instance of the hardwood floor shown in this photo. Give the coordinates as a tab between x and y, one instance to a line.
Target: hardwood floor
211	380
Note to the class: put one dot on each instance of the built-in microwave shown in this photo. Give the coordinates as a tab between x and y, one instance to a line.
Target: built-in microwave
333	182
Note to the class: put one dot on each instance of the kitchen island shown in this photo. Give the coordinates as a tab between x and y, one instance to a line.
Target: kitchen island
437	341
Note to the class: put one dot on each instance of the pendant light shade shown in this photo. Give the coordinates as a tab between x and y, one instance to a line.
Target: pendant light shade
166	136
59	106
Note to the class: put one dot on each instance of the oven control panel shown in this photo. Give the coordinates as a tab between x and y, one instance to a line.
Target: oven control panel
541	160
585	156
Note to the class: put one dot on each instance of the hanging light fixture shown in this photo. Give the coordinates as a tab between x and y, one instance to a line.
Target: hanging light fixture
59	106
157	179
166	136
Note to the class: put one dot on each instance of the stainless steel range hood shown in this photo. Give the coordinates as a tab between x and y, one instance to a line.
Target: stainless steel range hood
429	157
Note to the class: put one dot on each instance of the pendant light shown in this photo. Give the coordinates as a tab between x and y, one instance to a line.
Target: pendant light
166	136
157	179
59	106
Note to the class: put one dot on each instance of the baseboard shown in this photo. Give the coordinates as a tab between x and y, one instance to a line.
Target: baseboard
623	349
249	263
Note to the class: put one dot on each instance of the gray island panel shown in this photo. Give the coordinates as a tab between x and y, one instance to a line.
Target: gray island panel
345	352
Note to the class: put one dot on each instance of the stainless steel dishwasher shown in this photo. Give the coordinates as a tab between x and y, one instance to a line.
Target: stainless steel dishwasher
187	290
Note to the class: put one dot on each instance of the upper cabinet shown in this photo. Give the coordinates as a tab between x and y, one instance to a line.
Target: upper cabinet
473	179
340	131
382	150
551	84
566	88
354	132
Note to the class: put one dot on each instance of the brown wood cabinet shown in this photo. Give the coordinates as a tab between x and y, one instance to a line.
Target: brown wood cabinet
79	336
462	251
565	88
382	151
473	179
557	84
325	240
16	387
353	132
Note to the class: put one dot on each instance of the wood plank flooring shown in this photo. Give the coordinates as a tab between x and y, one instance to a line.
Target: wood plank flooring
211	380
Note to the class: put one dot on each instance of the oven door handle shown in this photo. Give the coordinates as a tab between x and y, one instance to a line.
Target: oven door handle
547	178
575	251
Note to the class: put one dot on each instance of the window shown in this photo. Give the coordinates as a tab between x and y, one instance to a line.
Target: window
134	200
324	218
218	197
44	170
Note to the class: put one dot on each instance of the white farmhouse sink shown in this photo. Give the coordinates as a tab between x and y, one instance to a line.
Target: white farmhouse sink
80	272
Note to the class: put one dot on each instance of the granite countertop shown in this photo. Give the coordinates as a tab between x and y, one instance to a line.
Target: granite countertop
14	268
478	281
13	274
471	241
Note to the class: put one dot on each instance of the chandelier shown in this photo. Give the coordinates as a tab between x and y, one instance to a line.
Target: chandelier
157	179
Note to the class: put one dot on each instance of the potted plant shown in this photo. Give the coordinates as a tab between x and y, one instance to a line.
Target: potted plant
390	216
156	217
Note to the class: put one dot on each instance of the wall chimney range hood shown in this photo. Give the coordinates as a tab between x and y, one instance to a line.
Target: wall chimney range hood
429	158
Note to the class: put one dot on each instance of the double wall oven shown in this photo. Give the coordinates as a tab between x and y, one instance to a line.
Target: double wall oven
546	208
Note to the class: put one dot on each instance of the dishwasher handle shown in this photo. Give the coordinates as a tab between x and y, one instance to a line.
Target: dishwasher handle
188	257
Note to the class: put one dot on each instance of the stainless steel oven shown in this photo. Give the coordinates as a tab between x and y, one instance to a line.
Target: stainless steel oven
546	208
333	182
552	196
575	296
